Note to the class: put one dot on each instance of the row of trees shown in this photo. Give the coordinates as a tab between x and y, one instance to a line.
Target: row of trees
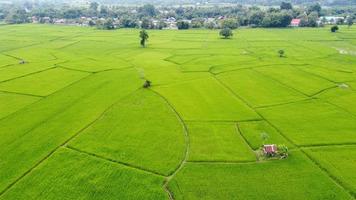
187	17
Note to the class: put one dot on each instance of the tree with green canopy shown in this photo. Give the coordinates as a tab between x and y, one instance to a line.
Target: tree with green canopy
144	37
226	33
333	29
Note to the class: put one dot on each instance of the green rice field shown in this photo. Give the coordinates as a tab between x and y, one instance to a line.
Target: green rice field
76	122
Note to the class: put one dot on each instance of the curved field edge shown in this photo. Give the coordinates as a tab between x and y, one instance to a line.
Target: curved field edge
128	133
74	175
39	130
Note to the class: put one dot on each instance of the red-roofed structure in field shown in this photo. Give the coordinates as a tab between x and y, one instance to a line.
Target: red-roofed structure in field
270	149
295	23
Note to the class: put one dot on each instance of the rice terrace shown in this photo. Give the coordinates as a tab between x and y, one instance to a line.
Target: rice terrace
90	114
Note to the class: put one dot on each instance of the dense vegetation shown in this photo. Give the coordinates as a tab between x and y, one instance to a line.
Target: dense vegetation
78	119
150	17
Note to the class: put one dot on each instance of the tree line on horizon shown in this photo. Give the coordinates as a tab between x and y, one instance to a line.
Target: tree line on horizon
151	17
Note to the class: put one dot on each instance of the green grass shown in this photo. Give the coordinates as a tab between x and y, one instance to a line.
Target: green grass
313	123
194	101
43	83
39	129
71	175
345	98
252	132
334	74
294	178
293	77
10	103
142	144
95	65
207	62
18	70
75	122
259	90
217	142
7	60
338	161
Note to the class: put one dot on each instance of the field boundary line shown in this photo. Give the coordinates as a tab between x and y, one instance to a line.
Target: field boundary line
285	103
278	81
56	148
243	68
182	82
29	74
71	69
11	56
67	45
112	160
222	121
336	180
243	137
22	47
43	159
187	146
317	75
48	96
114	69
324	90
22	94
351	144
70	105
223	162
339	107
233	93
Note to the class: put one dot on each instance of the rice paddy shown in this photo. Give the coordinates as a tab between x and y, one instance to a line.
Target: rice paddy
76	123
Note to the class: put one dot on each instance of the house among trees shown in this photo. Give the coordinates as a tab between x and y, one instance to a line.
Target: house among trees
295	22
270	149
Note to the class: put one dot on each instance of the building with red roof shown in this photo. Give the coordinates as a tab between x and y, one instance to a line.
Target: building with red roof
270	149
295	23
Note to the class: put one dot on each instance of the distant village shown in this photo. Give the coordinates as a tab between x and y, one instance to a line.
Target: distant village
171	22
179	17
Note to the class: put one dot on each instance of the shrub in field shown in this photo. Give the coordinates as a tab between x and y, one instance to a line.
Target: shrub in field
281	53
333	29
226	33
147	84
282	151
144	37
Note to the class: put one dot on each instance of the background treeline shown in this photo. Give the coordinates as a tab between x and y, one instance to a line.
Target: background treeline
147	16
185	2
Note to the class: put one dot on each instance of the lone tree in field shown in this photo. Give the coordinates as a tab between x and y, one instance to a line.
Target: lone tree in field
281	53
147	84
144	37
226	33
333	29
